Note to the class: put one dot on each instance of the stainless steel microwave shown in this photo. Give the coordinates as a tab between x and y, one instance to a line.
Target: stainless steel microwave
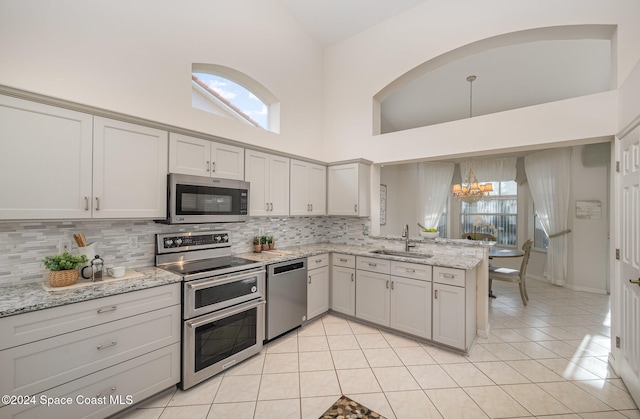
199	199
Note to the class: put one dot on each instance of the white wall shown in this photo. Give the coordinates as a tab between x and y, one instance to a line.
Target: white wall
359	67
402	190
135	57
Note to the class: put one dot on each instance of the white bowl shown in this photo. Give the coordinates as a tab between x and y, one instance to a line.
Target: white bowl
429	235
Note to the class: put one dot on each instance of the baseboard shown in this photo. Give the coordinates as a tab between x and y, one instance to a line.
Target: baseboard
586	289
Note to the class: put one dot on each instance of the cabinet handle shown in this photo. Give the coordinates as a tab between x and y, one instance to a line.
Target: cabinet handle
208	165
104	393
355	208
309	278
271	206
308	207
387	284
351	277
392	285
410	270
97	204
450	276
108	345
318	260
86	203
343	260
213	166
107	309
373	264
435	294
266	206
311	207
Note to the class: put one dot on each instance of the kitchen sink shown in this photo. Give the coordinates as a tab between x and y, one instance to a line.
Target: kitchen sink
400	253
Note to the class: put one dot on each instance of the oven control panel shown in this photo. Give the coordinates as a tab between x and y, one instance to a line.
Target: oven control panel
190	241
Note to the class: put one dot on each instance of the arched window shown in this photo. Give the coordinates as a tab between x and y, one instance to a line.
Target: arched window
229	93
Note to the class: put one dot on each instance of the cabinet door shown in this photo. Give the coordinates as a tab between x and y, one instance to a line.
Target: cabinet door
256	172
278	185
299	194
189	155
129	170
318	189
343	189
449	315
343	290
45	162
227	161
317	292
372	297
411	306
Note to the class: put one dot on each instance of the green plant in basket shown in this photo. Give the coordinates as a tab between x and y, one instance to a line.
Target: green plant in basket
64	261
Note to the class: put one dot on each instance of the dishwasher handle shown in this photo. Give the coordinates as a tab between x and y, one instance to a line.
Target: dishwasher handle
285	267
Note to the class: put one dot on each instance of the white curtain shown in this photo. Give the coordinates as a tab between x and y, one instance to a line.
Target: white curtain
434	186
492	170
548	174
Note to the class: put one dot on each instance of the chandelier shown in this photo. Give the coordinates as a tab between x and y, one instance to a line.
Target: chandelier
470	190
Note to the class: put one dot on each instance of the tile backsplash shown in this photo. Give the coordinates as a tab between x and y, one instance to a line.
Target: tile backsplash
23	245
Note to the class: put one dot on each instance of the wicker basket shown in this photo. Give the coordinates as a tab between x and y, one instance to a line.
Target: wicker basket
63	278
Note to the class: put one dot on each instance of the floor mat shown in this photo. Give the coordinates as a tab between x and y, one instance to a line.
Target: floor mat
346	408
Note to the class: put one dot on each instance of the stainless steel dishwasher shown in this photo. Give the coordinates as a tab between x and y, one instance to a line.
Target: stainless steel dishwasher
286	296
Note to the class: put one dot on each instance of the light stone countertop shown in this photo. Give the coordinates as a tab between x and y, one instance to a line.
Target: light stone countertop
33	296
19	299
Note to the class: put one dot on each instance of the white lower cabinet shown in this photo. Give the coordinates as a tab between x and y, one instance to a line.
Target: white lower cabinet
372	297
411	306
454	307
317	285
343	284
121	351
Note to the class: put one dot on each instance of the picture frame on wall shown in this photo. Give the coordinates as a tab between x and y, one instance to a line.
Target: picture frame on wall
383	204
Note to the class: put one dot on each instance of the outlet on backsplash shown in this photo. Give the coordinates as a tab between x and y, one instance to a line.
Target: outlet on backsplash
64	246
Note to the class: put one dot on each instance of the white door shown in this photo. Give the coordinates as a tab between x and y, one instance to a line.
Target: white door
630	262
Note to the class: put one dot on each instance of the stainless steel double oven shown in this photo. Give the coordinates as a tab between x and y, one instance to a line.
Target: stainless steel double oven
223	302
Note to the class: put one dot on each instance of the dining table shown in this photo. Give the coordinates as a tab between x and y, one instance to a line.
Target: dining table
502	252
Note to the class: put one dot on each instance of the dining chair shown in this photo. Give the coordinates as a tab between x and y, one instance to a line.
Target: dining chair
514	275
479	236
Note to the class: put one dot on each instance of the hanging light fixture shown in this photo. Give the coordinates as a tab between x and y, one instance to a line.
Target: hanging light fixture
470	190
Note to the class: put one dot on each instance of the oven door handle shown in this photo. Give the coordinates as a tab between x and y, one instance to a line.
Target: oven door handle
206	283
200	321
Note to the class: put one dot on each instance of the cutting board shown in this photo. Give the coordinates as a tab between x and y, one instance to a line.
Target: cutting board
128	274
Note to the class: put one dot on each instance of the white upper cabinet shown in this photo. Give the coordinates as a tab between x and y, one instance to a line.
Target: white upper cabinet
349	186
268	176
129	170
45	161
308	188
198	157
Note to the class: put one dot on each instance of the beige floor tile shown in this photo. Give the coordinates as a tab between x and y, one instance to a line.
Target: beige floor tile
312	343
202	393
535	371
332	318
315	361
362	329
412	404
595	366
288	343
337	329
501	373
533	350
243	410
509	335
567	369
478	353
280	362
372	341
279	386
415	355
562	348
431	376
602	415
573	397
534	334
185	412
537	401
251	366
382	357
374	401
504	351
319	383
341	343
358	381
240	388
454	403
349	359
314	407
161	399
395	379
315	328
631	414
467	374
608	393
495	402
397	341
141	413
444	356
278	409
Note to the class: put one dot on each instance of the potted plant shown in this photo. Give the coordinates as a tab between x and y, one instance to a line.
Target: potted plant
256	244
263	242
63	268
271	243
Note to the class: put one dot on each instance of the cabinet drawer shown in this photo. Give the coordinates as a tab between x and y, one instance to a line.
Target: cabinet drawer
347	261
373	265
411	270
319	261
139	378
41	365
29	327
449	276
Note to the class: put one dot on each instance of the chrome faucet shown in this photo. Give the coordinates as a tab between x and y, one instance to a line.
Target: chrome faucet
405	234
